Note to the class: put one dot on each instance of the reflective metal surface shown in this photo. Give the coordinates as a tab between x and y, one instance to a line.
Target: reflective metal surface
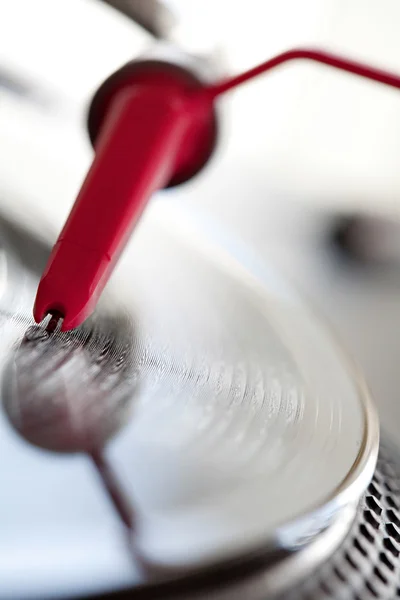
220	408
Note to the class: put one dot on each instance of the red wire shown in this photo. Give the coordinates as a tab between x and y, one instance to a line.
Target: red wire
319	56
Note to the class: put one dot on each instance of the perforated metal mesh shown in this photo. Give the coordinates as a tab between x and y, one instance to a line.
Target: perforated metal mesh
367	565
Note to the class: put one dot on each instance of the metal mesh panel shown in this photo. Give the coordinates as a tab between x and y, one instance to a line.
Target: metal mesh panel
367	565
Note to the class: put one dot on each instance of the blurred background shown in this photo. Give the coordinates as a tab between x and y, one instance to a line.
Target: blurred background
307	169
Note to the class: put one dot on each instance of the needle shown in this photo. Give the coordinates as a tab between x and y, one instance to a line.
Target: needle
55	318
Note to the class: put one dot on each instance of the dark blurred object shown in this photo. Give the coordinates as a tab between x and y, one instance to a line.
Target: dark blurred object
33	251
162	23
24	89
367	240
152	15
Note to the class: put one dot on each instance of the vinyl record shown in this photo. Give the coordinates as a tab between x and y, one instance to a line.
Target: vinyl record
203	389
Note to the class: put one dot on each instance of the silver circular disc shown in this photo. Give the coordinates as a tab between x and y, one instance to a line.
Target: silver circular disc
247	428
250	428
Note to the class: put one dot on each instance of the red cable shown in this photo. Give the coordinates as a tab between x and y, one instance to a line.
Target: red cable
319	56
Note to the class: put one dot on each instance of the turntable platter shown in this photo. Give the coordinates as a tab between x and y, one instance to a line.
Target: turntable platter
227	414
